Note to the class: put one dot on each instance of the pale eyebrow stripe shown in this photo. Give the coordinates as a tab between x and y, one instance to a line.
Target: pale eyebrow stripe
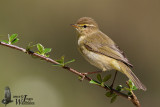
92	25
87	25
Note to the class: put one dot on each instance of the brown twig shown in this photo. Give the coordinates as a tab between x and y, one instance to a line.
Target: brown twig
132	98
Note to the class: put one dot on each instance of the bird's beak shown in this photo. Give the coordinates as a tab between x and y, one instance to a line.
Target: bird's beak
74	25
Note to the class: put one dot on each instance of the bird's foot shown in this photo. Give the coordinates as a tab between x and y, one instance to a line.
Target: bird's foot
83	76
88	73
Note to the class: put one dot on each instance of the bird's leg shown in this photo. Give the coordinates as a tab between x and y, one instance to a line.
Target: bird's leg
113	79
88	73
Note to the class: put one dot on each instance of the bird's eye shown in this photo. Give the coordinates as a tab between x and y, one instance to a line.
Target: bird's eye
85	26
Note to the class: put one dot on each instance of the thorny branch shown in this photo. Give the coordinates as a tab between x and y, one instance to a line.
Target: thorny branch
132	98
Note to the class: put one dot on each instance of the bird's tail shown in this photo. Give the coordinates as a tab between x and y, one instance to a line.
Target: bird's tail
127	71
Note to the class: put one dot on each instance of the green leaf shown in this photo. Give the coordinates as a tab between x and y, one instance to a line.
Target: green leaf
130	84
113	99
47	55
94	82
134	88
15	40
109	94
119	88
69	61
59	61
79	77
5	41
12	37
107	77
29	46
99	78
47	50
62	58
40	48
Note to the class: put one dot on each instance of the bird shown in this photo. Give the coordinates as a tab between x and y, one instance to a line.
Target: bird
101	51
7	97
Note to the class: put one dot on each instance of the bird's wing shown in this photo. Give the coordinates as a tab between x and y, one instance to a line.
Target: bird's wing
105	46
7	94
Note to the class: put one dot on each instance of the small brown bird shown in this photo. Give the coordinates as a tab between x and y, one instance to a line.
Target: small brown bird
98	49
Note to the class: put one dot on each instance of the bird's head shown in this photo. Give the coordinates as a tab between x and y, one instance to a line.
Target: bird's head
85	26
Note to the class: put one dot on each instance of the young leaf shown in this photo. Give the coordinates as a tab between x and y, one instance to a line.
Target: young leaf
59	61
99	78
94	82
69	61
113	99
109	94
12	37
130	84
47	55
107	77
62	59
47	50
29	46
134	88
5	41
15	40
40	48
119	88
79	77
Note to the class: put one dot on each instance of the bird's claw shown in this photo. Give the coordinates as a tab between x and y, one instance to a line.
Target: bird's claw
83	76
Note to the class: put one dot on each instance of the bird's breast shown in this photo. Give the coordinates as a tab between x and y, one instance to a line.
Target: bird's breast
100	61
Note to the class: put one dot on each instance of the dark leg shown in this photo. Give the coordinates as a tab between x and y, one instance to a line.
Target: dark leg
114	79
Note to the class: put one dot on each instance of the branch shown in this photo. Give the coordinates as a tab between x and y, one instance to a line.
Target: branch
132	98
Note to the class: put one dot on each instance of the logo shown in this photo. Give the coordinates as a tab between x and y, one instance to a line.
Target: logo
24	100
7	96
19	99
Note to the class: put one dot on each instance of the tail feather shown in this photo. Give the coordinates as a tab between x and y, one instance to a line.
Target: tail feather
127	71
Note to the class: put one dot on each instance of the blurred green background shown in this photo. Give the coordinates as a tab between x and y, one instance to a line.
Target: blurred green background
133	25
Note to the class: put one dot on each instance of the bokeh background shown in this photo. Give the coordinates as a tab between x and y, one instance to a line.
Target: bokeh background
133	24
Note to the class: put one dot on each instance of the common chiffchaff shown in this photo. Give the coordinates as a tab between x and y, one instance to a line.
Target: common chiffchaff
101	51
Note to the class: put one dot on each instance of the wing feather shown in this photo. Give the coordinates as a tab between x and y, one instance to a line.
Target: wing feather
105	46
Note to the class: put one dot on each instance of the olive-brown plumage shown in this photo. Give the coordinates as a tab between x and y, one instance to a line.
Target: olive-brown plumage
101	51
